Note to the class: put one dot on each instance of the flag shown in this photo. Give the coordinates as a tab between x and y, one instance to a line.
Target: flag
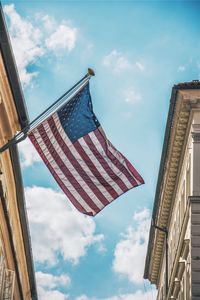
87	167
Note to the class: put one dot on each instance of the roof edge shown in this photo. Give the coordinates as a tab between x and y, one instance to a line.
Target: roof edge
160	175
195	84
12	73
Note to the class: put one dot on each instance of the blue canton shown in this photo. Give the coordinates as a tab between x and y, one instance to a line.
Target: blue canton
77	117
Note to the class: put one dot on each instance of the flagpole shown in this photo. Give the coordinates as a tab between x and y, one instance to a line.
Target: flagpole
20	136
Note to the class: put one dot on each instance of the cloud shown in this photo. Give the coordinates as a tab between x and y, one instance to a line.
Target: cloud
140	66
51	295
26	42
141	215
28	154
130	252
48	22
63	38
50	281
131	96
116	61
181	68
33	40
48	285
138	295
62	230
82	297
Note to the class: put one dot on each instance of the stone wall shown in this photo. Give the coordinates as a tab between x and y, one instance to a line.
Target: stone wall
195	246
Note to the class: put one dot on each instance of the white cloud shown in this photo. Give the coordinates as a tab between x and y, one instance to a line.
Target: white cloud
32	40
181	68
49	22
82	297
130	252
62	230
140	66
48	285
138	295
141	215
131	96
51	295
51	281
26	41
63	38
28	154
116	61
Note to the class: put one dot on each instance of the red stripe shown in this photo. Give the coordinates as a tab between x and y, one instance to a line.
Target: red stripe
57	178
117	163
104	164
94	170
65	170
133	170
75	163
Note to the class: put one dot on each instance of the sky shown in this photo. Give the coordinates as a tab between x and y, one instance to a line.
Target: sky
138	50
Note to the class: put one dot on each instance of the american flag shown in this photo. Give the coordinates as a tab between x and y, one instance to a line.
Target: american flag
87	167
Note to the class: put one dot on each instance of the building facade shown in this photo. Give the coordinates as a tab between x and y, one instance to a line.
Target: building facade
173	254
17	280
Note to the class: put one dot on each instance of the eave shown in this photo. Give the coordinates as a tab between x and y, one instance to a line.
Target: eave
12	73
173	147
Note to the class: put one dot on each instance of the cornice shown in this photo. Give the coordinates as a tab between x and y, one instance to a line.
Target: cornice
9	123
11	71
176	147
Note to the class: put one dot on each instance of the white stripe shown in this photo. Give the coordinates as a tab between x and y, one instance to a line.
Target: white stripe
61	130
82	163
59	172
99	167
122	160
114	168
70	167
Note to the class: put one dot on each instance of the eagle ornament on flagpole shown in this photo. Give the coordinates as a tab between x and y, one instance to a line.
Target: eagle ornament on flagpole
71	142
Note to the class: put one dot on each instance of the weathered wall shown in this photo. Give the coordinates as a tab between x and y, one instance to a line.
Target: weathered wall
11	240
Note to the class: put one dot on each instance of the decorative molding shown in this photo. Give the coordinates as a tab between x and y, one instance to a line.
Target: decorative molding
180	132
176	145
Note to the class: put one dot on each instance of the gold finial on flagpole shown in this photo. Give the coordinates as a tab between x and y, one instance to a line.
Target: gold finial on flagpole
91	72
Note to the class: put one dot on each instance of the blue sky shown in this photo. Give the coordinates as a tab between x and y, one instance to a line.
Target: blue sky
139	50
